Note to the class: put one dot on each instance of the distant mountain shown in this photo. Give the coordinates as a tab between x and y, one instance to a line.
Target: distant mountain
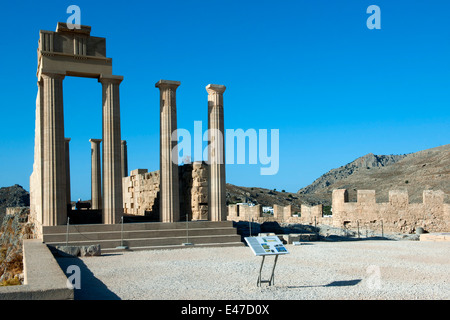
363	163
415	172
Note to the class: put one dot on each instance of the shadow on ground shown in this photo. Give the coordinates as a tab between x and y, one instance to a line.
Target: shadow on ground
91	288
342	283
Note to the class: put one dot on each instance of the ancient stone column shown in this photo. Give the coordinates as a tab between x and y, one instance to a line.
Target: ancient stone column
96	175
54	197
169	203
67	158
216	154
112	164
124	158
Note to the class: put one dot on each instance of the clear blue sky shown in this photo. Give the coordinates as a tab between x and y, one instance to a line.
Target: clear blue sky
312	69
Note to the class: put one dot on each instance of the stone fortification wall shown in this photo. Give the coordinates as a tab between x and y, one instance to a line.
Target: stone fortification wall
397	215
309	214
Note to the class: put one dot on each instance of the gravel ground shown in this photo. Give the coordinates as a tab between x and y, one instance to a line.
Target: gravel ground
315	270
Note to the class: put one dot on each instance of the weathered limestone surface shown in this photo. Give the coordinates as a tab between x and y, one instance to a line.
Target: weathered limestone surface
194	190
54	195
124	151
141	191
170	202
309	214
398	215
71	52
216	153
96	175
111	151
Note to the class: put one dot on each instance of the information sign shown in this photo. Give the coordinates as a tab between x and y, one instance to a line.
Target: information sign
265	246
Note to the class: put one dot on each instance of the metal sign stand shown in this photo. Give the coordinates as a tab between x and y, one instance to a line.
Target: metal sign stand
266	246
187	243
271	280
122	245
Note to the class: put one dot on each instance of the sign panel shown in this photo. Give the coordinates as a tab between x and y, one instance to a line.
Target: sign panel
264	246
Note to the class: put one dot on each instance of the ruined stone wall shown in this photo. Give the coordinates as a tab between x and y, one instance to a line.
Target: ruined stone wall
141	191
194	190
309	214
397	215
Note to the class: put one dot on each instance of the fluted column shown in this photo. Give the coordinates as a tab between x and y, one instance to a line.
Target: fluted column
54	197
170	202
96	175
112	168
67	160
124	158
216	154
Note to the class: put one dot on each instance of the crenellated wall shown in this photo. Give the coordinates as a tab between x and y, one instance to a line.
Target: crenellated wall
397	215
309	214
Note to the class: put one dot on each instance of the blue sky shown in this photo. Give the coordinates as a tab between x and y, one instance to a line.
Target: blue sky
312	69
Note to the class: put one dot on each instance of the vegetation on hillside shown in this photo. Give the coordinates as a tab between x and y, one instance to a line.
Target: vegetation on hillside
13	230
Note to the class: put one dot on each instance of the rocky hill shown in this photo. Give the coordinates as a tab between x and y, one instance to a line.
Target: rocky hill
267	197
369	161
14	196
415	172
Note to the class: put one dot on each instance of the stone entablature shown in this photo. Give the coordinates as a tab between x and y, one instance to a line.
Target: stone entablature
73	51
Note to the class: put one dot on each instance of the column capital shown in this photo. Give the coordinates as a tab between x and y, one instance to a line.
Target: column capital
53	75
67	139
95	140
123	141
167	84
215	88
104	79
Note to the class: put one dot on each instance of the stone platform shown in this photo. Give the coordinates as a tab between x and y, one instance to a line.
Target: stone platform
441	236
145	236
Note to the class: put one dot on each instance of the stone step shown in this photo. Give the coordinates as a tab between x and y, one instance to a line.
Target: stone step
136	226
438	236
154	242
135	234
168	247
145	235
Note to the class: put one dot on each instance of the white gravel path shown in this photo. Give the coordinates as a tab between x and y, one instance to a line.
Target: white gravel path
316	270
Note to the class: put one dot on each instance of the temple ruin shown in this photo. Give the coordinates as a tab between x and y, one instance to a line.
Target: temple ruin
72	52
193	192
190	192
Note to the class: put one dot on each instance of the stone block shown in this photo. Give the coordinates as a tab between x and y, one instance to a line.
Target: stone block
138	171
67	251
398	198
366	196
90	251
